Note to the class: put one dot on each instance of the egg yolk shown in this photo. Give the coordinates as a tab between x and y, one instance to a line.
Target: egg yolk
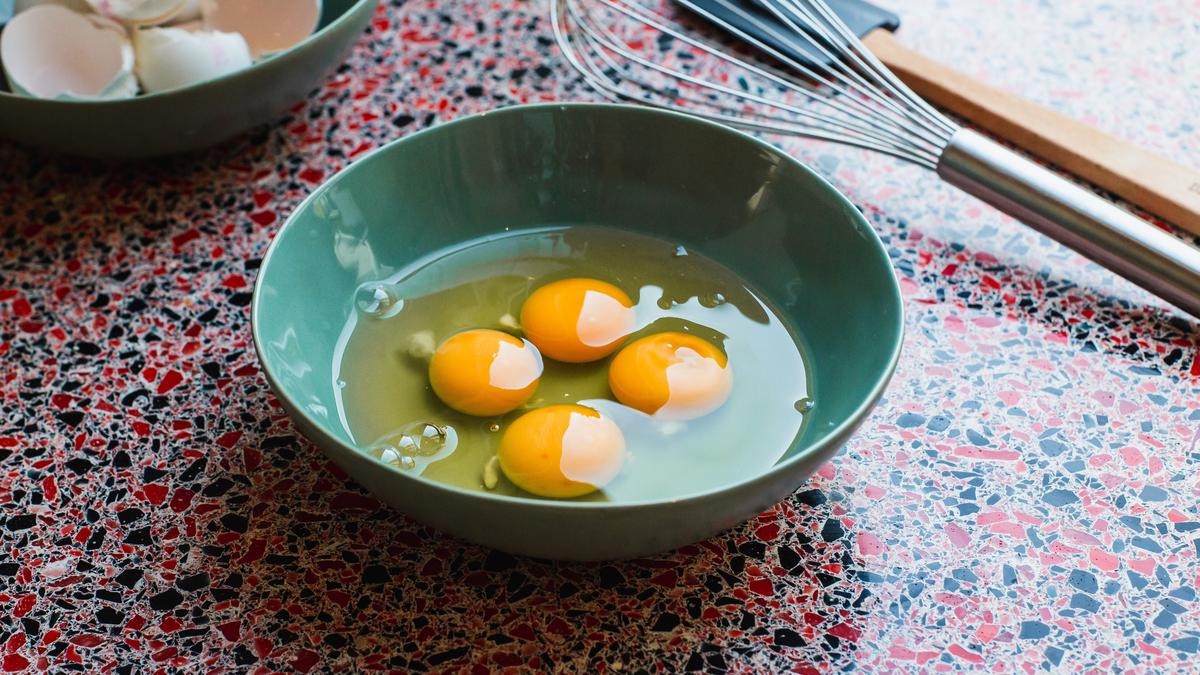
673	376
577	320
561	451
484	372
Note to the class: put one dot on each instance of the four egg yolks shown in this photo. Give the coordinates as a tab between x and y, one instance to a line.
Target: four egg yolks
484	372
673	376
561	451
564	451
577	320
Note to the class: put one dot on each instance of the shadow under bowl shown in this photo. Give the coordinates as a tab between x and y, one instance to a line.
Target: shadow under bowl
192	117
739	201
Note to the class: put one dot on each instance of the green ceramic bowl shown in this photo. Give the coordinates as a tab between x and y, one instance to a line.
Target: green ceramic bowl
191	117
738	200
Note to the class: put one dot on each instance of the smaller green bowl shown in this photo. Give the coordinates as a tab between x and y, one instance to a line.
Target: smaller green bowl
193	117
738	200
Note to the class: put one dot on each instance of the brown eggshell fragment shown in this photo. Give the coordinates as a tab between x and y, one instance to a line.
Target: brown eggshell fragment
269	26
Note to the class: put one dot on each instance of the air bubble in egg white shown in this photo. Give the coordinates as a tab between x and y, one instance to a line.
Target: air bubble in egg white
378	300
805	405
711	300
423	439
386	453
680	251
416	445
408	446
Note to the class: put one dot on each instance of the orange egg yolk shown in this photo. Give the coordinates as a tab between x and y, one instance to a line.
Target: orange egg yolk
673	376
577	320
484	372
561	451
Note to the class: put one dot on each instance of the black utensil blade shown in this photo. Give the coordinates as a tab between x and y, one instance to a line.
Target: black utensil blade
861	17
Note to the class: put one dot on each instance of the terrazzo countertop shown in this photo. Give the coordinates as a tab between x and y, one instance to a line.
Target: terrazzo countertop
1024	498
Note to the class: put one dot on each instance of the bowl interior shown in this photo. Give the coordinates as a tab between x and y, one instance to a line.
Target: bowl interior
330	11
739	201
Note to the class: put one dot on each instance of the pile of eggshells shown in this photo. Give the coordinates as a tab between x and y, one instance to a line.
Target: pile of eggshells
114	49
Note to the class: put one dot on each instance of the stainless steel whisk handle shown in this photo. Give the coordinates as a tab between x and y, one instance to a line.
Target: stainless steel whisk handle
1096	228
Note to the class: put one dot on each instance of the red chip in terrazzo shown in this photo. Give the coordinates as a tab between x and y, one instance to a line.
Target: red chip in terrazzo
14	663
263	218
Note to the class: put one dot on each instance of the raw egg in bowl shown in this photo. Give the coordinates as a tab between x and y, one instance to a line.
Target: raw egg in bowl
578	331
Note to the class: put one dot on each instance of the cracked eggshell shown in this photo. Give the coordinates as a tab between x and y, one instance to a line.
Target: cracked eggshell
80	6
169	58
269	26
10	8
188	13
50	51
139	12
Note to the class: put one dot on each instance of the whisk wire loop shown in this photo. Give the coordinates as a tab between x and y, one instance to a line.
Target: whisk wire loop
849	98
843	95
598	37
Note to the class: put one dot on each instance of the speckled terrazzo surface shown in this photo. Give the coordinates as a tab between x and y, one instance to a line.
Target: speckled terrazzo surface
1024	499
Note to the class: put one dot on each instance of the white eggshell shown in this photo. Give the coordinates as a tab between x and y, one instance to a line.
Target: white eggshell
188	13
50	51
80	6
269	26
139	12
169	58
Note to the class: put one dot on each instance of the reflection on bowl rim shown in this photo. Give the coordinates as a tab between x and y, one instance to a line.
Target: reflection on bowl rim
827	436
196	85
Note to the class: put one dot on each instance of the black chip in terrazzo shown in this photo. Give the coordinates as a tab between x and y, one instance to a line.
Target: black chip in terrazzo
139	537
194	582
168	599
129	578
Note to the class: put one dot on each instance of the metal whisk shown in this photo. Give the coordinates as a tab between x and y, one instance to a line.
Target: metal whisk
845	95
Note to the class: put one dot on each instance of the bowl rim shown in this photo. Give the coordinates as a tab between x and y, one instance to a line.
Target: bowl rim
319	34
828	437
